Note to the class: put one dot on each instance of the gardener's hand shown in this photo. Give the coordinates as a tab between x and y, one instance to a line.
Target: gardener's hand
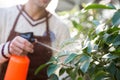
20	46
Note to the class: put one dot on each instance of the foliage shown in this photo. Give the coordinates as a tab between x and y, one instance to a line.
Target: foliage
99	56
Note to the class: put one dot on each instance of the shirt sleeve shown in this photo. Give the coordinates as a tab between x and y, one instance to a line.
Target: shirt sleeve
3	17
4	52
4	55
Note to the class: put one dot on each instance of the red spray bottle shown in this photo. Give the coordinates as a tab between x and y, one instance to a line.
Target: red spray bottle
18	65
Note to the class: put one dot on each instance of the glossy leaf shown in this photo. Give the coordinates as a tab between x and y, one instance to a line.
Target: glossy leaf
85	65
116	41
64	53
51	69
110	56
70	58
62	70
88	47
99	6
116	18
83	58
110	39
40	68
113	29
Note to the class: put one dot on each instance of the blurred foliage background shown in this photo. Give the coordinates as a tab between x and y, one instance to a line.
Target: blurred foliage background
95	40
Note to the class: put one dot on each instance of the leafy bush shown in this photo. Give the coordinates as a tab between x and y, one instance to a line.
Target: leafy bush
99	56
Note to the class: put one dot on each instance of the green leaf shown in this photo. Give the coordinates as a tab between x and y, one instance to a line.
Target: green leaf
111	68
68	70
100	75
77	25
113	29
117	41
62	70
80	78
85	65
111	5
52	59
116	18
116	52
40	68
105	36
83	58
87	48
99	6
51	69
110	56
110	39
63	53
118	74
70	58
73	74
54	77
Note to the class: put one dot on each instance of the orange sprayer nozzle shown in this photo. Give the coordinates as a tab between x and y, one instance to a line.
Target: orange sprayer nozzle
17	68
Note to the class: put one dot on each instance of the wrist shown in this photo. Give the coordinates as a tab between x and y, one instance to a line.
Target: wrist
5	50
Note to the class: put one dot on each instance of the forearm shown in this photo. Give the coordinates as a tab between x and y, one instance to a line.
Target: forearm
4	52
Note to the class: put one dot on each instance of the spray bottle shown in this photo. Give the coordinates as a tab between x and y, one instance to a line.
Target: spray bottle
18	65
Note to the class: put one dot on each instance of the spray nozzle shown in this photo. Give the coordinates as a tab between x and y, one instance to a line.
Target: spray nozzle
29	36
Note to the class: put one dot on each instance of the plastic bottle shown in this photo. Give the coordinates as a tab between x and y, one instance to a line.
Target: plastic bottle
17	68
18	65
